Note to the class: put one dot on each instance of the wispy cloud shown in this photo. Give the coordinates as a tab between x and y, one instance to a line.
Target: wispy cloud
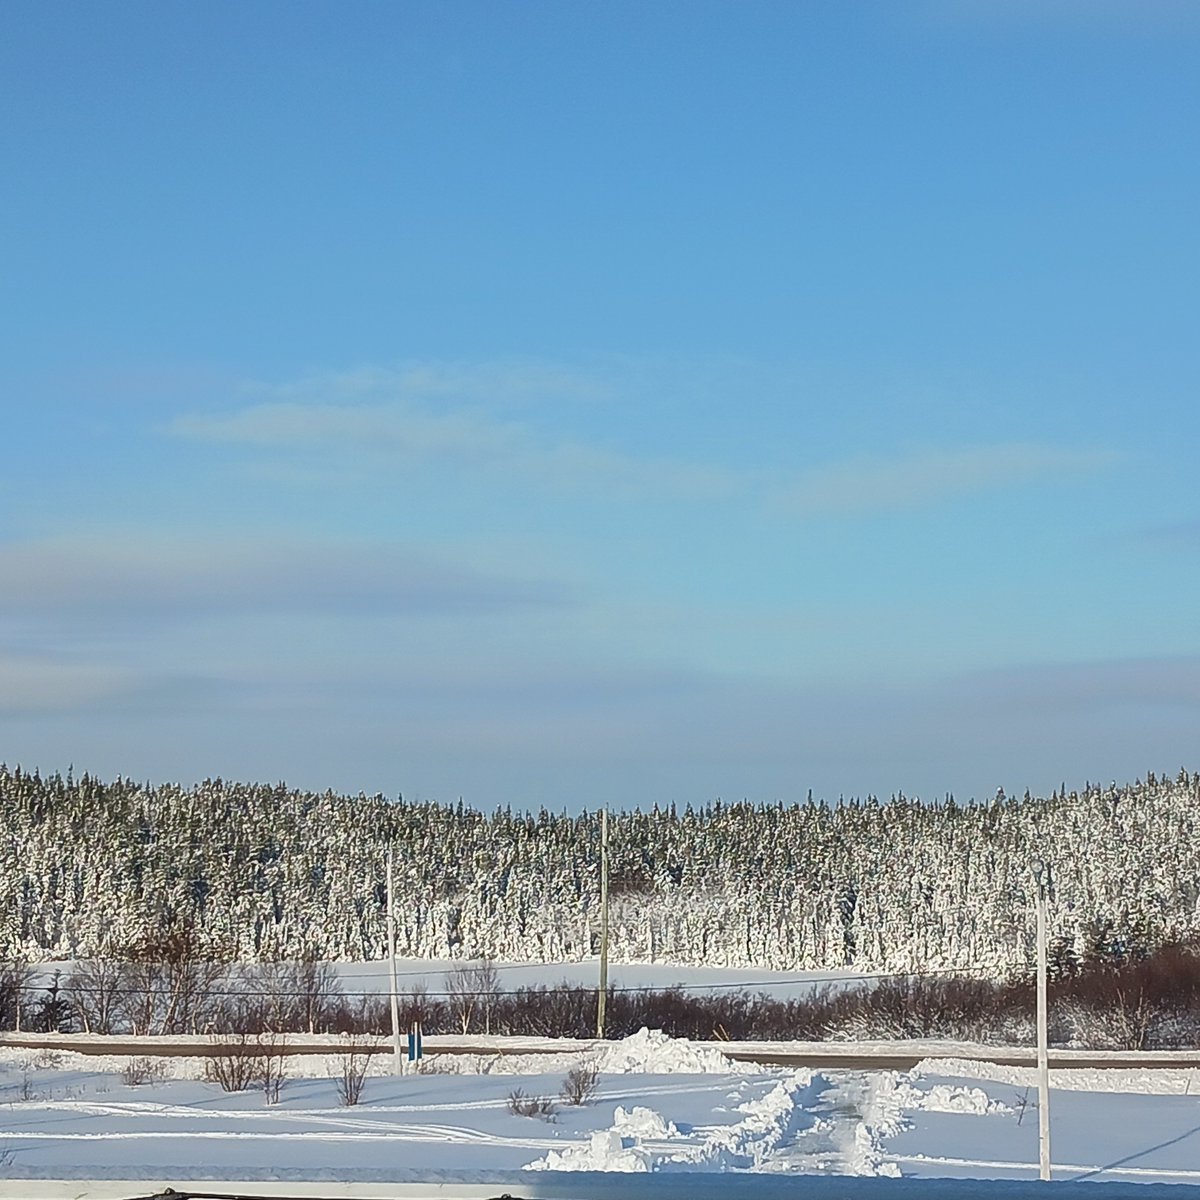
124	576
506	383
876	483
453	417
31	684
1184	535
478	418
1087	687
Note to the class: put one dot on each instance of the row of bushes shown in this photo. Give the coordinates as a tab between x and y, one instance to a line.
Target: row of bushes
170	988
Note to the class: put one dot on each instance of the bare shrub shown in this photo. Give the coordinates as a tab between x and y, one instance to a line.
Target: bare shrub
137	1072
354	1065
580	1084
171	981
235	1064
473	988
14	984
249	1058
520	1104
300	997
95	992
272	1065
1147	1003
916	1007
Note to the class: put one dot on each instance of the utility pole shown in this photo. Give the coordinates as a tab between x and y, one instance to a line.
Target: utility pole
397	1058
602	995
1041	877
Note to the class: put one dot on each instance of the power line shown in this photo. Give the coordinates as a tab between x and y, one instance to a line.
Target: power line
68	987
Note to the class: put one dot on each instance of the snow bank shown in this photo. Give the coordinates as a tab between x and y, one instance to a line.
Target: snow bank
883	1102
748	1145
642	1122
865	1155
1147	1081
643	1140
652	1052
606	1150
946	1098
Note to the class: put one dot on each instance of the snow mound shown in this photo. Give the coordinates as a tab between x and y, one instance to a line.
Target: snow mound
1152	1081
884	1100
767	1123
945	1098
748	1145
642	1122
652	1052
605	1151
866	1156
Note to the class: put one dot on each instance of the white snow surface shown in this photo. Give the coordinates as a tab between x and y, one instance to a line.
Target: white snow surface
663	1106
652	1052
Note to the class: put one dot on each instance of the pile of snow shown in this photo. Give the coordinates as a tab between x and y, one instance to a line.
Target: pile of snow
946	1098
643	1140
652	1052
768	1122
641	1122
883	1102
606	1150
886	1100
865	1155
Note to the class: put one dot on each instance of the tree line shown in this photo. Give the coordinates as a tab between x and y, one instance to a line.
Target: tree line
90	869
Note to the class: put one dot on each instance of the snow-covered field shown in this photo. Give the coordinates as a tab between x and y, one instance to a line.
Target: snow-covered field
430	974
661	1106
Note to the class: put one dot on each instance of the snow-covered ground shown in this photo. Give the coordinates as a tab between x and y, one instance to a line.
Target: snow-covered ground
661	1106
431	975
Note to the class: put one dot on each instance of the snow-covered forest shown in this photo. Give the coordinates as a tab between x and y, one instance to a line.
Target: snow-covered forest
264	872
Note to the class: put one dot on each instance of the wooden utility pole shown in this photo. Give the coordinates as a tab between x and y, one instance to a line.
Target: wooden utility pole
602	995
1041	877
397	1058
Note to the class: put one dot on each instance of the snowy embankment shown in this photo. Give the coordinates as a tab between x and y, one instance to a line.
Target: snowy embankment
661	1106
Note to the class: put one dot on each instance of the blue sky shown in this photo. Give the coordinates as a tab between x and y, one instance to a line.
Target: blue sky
555	404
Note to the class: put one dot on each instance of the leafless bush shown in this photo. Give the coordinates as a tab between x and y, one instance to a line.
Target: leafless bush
236	1064
171	981
248	1058
362	1016
580	1084
473	988
915	1007
521	1104
354	1065
137	1072
295	996
14	983
95	992
272	1065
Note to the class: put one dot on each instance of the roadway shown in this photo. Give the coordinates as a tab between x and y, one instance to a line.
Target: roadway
847	1056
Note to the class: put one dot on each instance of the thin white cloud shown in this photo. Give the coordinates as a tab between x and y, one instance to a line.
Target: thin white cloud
414	435
452	416
39	684
879	484
140	577
509	383
1085	687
